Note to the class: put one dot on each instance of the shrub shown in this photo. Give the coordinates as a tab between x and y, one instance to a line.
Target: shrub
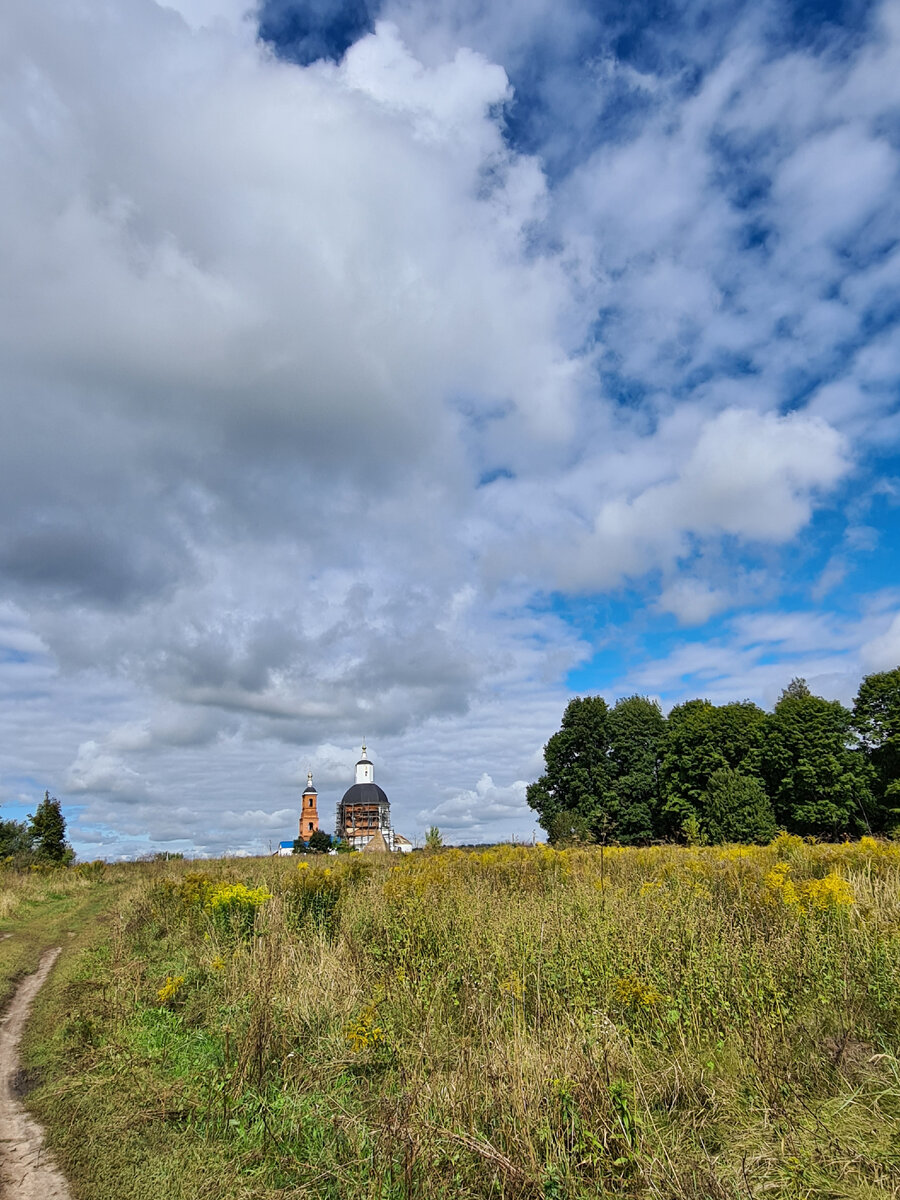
737	809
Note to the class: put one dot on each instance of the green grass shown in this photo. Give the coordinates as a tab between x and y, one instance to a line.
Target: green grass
521	1023
40	909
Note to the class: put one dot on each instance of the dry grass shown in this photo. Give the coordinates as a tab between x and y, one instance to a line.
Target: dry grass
21	890
718	1022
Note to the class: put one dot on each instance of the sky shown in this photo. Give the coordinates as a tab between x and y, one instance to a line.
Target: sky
397	370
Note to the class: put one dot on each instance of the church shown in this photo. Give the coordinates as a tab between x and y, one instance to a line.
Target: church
364	813
363	818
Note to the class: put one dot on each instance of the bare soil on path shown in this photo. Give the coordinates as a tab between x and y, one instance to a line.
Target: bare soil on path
27	1172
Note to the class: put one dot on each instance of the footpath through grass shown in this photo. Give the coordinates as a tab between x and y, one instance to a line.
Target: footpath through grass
517	1023
40	908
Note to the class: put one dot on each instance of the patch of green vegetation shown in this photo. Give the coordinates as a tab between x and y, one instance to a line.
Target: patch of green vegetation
43	908
687	1023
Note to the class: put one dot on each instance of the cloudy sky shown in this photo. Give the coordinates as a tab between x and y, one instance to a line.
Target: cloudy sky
399	369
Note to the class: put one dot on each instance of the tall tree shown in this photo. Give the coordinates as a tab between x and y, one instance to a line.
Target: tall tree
319	842
876	719
14	838
569	828
702	738
577	776
434	839
816	779
636	728
737	809
48	831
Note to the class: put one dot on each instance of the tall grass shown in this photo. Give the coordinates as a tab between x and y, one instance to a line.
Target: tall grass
717	1022
24	888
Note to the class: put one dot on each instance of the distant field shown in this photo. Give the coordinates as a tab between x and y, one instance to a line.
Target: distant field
662	1022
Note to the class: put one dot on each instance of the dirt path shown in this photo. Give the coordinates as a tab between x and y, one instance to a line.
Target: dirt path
27	1171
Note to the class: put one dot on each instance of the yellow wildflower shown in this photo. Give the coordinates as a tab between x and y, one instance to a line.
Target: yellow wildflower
812	895
170	988
513	987
831	892
364	1030
235	896
633	992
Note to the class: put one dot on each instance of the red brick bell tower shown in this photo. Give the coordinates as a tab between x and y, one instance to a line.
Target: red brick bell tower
309	814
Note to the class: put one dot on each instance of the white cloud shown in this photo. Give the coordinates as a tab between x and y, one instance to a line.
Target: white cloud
882	653
202	14
445	102
826	187
749	475
266	328
758	654
96	771
467	814
692	601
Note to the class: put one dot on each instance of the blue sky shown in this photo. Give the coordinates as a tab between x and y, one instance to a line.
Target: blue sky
398	370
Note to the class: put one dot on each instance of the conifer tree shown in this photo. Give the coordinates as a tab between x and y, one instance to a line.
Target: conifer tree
48	831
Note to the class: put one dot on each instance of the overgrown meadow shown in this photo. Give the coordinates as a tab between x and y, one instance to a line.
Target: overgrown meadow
522	1022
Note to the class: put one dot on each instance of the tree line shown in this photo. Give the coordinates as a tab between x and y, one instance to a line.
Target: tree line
40	839
724	773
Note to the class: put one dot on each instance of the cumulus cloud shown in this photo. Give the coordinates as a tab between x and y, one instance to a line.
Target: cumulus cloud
99	772
692	601
333	390
748	475
476	810
882	653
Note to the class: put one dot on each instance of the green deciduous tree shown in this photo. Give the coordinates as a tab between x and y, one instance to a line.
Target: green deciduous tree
602	773
724	772
700	739
876	720
578	771
15	839
48	832
569	829
817	780
632	805
319	842
737	809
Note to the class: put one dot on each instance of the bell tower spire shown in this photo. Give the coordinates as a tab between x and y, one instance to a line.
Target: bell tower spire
364	770
309	813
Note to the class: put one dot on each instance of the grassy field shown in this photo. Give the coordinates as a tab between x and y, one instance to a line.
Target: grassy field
42	908
717	1022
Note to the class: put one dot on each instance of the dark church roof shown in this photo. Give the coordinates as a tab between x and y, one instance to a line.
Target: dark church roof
309	790
365	793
